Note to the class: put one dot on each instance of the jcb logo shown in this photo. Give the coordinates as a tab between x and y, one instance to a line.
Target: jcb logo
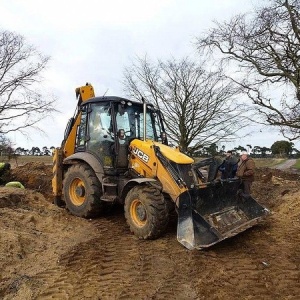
139	153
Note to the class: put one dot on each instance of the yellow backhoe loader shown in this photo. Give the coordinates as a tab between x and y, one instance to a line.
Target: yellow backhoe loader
116	151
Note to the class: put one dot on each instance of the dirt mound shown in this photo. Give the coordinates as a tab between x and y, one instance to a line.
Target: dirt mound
271	185
261	172
35	176
33	235
46	253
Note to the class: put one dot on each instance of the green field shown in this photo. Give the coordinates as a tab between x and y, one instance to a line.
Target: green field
268	162
297	165
24	159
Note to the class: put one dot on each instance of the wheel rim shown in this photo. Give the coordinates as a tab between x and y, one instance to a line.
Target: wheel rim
77	192
138	213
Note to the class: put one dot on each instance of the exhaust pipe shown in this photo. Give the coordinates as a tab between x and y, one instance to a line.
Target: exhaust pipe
144	114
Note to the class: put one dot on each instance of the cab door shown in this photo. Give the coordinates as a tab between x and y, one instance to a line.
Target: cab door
101	136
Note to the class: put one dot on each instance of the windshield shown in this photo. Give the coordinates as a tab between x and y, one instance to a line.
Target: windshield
130	117
107	120
112	125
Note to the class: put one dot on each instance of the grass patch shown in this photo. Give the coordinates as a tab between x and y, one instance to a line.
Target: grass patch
268	162
24	159
297	164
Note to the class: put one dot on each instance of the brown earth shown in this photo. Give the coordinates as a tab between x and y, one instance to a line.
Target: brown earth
46	253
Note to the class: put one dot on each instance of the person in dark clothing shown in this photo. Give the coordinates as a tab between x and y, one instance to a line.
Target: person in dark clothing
4	169
245	172
229	166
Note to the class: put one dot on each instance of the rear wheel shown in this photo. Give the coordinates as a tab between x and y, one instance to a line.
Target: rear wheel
82	191
146	212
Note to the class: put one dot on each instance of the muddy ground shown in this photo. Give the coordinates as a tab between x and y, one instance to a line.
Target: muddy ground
46	253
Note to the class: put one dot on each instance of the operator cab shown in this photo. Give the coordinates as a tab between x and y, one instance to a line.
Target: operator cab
109	124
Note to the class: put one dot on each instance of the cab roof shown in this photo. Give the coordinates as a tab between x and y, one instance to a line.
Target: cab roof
111	99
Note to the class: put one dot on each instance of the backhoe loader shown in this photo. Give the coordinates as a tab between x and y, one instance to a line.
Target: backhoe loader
116	150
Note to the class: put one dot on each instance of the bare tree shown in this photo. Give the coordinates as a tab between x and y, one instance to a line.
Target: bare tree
200	107
264	49
5	144
21	104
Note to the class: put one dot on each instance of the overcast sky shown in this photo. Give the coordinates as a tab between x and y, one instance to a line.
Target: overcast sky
92	41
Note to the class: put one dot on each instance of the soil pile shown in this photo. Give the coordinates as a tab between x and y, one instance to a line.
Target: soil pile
34	175
46	253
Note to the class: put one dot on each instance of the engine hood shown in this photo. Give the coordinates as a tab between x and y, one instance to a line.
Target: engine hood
174	154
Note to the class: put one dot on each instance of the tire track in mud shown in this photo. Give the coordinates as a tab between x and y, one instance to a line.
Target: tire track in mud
100	268
116	265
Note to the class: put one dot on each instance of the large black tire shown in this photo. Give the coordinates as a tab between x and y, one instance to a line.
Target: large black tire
82	191
146	212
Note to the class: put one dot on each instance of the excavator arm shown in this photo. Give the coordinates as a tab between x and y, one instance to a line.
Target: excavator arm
67	148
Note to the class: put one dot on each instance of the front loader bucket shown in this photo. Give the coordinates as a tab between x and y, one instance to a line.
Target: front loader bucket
209	215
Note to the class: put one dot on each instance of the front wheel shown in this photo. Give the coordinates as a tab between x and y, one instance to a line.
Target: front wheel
146	212
82	191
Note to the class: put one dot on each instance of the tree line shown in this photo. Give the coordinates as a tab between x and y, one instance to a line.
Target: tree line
278	149
34	151
19	151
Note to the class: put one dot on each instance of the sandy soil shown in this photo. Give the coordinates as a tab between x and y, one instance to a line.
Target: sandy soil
46	253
